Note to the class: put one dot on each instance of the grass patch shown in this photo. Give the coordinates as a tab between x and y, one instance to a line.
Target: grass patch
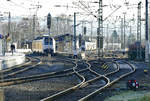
146	84
146	98
134	100
130	96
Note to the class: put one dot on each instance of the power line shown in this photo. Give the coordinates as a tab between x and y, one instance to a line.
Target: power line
18	5
83	7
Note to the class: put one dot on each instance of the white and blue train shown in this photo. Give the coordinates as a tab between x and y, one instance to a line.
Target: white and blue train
44	44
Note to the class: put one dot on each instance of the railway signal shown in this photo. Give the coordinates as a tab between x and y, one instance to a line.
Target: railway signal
101	42
49	21
84	30
80	40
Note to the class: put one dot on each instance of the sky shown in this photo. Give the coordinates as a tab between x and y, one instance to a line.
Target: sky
26	8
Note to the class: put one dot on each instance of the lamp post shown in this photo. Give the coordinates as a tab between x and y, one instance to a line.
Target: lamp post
124	31
74	38
100	28
146	32
139	31
8	33
49	26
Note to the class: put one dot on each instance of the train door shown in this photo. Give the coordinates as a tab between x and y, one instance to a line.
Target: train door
54	45
48	45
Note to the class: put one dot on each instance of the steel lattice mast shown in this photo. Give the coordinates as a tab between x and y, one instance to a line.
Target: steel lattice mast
100	27
139	31
146	32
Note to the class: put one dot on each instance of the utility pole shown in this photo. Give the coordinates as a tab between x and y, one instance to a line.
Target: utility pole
100	28
113	42
124	30
91	30
139	31
33	27
49	26
121	33
9	26
57	24
34	17
83	35
9	22
82	28
131	34
107	36
146	32
74	37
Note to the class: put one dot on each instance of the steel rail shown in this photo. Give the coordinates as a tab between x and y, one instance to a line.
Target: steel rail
42	76
23	70
19	71
39	77
103	76
100	76
57	95
53	97
17	66
35	76
108	84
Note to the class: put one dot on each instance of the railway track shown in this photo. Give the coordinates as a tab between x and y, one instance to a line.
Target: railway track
89	96
86	83
87	77
7	75
91	82
28	61
102	67
67	72
33	62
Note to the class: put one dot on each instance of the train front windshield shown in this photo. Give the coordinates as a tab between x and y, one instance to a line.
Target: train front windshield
48	41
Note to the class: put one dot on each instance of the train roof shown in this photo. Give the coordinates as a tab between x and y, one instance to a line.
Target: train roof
62	37
57	38
40	37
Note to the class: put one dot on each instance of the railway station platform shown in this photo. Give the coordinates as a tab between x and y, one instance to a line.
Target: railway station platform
10	60
1	95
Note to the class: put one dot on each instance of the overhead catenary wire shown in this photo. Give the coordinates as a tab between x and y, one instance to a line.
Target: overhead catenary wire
83	8
18	5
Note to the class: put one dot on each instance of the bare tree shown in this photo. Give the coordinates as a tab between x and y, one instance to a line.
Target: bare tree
22	30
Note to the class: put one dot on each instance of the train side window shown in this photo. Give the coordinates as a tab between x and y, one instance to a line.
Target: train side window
51	41
46	41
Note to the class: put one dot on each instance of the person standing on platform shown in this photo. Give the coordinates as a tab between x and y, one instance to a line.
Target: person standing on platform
12	48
